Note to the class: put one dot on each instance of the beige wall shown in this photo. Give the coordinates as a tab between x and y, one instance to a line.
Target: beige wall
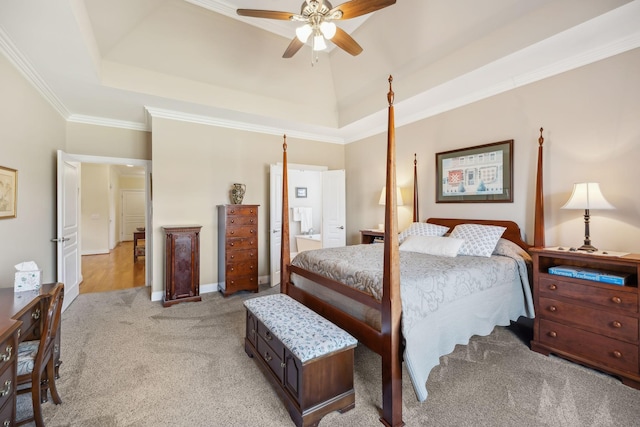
104	141
194	167
94	208
30	133
592	133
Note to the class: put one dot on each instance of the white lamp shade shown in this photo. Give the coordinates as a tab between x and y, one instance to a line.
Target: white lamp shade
319	43
304	32
328	29
383	196
587	195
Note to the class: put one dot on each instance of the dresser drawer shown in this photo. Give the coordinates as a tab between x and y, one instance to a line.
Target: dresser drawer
242	231
242	255
610	323
234	243
7	386
605	295
7	411
241	283
7	353
273	342
241	210
241	268
608	351
238	220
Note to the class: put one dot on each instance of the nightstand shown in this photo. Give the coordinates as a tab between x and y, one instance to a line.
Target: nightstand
589	322
371	236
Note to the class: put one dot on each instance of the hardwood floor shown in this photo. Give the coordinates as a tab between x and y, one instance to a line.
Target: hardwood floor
113	271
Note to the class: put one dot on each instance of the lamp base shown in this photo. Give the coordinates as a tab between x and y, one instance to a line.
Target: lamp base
587	248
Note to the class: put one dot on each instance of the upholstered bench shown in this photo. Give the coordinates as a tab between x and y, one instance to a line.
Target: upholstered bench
308	359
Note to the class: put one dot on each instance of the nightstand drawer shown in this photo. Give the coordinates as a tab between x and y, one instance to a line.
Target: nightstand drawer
600	294
610	323
608	351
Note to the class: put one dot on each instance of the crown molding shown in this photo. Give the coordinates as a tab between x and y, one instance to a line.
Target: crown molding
24	67
161	113
102	121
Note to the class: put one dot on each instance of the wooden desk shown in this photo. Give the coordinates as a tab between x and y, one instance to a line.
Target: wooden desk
27	307
370	236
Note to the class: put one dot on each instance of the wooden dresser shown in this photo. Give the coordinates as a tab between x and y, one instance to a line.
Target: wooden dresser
182	264
589	322
9	331
237	248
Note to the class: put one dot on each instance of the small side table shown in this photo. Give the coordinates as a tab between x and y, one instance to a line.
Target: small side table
371	236
138	250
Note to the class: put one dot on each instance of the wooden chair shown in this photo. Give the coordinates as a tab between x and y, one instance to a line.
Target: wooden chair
36	360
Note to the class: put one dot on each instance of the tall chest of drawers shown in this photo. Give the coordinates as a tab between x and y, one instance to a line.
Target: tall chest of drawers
589	322
237	248
9	330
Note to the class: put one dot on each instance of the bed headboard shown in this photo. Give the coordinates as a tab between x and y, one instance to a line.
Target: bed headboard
512	231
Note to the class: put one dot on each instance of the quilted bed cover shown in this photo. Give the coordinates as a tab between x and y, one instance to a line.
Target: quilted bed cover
445	300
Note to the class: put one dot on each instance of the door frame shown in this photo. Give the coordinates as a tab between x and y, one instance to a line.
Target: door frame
148	259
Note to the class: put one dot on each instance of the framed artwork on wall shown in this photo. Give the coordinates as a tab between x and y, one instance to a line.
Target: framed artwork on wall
8	192
301	192
476	174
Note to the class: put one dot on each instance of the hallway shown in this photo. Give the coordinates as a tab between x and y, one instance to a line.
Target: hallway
113	271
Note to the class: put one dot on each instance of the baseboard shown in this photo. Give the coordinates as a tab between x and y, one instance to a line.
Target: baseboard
96	252
205	289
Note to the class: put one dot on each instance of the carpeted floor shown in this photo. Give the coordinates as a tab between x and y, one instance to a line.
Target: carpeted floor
128	361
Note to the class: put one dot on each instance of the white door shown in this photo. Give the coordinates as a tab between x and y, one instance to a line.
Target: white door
67	239
133	213
275	222
334	218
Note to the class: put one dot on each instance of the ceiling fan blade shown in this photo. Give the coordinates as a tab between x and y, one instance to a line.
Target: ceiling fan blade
293	48
355	8
270	14
345	42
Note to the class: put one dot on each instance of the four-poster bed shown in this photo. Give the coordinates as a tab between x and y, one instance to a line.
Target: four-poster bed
376	321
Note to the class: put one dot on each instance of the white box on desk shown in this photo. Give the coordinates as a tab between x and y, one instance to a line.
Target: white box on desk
28	280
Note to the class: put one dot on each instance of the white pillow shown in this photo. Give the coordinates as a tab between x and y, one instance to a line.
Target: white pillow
479	240
422	229
432	245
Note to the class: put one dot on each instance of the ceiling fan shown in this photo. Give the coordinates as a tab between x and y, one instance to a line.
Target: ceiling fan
317	17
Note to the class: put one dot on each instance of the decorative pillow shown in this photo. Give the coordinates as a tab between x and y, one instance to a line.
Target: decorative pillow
432	245
422	229
479	240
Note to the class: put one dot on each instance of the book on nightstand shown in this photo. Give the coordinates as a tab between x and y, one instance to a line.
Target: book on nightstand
612	278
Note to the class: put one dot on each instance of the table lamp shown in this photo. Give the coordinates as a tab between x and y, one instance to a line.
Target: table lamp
383	198
587	195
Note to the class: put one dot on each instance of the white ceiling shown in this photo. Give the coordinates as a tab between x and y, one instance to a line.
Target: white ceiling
122	62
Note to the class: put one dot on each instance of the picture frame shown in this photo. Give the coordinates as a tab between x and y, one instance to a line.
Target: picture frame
479	174
301	192
8	192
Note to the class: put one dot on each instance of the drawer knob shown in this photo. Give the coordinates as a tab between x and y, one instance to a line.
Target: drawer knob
616	300
553	287
552	308
251	231
231	244
617	354
283	365
232	232
36	314
7	389
553	334
268	336
233	221
7	354
616	324
7	423
267	356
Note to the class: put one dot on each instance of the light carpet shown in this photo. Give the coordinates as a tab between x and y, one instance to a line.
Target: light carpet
128	361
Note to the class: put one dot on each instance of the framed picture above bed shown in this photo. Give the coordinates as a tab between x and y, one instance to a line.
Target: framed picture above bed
476	174
8	192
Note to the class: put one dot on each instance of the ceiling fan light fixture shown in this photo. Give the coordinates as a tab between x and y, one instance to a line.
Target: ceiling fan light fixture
319	43
328	29
303	32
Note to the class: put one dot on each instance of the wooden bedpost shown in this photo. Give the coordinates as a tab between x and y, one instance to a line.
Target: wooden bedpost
285	253
538	227
391	305
416	216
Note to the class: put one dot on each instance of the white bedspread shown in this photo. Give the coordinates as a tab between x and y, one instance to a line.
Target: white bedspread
445	301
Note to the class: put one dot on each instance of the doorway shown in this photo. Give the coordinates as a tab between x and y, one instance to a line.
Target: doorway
109	265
